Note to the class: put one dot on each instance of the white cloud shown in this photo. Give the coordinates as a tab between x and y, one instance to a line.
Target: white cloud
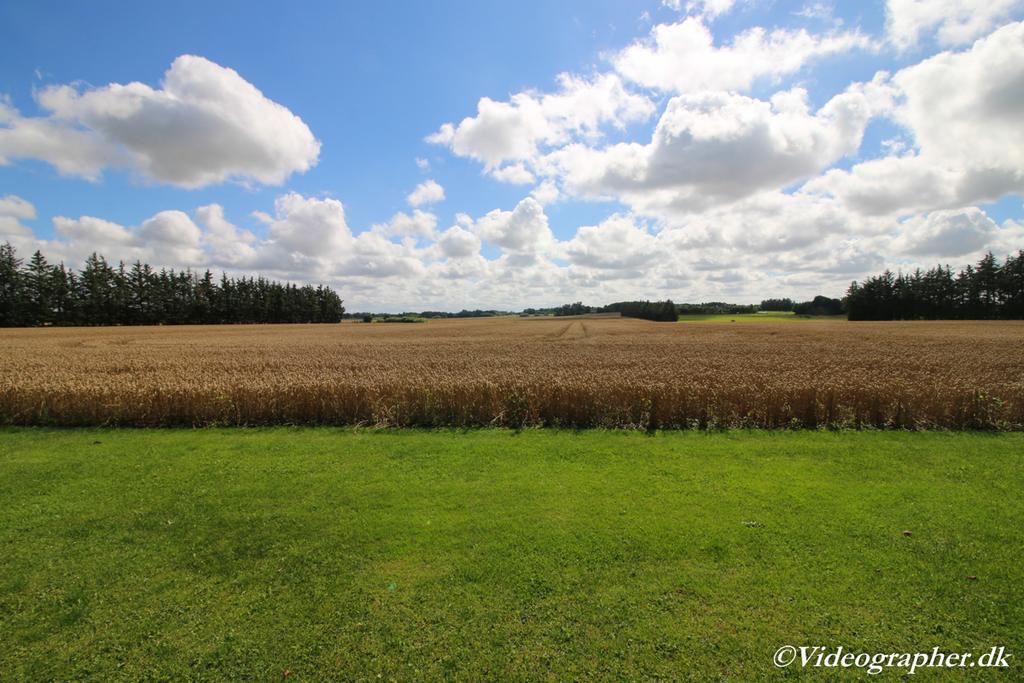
13	210
417	224
718	147
262	217
169	228
965	108
766	223
1009	239
816	10
708	8
515	174
617	243
16	207
422	164
955	22
168	238
524	230
683	58
545	193
71	151
513	131
374	256
89	230
711	8
228	245
310	239
946	233
772	243
309	229
964	111
458	243
427	192
902	184
204	125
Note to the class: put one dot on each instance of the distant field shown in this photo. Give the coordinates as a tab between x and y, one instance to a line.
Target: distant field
760	317
521	372
334	554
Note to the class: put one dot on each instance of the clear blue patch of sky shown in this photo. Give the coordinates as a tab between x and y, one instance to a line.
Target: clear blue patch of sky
1011	207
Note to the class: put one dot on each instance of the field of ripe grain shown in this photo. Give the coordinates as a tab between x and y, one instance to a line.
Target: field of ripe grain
521	372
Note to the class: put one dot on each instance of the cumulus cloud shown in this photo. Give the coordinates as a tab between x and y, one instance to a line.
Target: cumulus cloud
227	245
427	192
766	223
617	243
374	256
946	233
683	58
955	22
963	110
417	224
516	174
310	238
13	210
715	147
205	124
523	230
16	207
309	227
168	238
458	243
513	131
545	193
169	228
69	150
89	230
792	244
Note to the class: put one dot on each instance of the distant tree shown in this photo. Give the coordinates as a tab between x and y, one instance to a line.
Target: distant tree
39	293
573	309
716	308
988	290
96	283
776	305
38	287
64	286
662	311
820	305
12	288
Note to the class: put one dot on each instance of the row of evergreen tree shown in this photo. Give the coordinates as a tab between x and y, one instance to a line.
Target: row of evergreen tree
38	293
988	291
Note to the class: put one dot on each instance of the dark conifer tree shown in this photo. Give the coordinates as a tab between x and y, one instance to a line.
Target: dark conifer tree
41	294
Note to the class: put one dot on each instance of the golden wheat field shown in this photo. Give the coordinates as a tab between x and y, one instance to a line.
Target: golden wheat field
521	372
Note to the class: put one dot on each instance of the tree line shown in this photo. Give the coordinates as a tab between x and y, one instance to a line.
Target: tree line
988	291
39	293
662	311
668	311
464	313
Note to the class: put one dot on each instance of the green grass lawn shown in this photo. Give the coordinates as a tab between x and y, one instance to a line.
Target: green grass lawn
417	555
759	317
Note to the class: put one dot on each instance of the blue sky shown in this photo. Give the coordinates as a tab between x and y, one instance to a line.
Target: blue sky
370	79
370	82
